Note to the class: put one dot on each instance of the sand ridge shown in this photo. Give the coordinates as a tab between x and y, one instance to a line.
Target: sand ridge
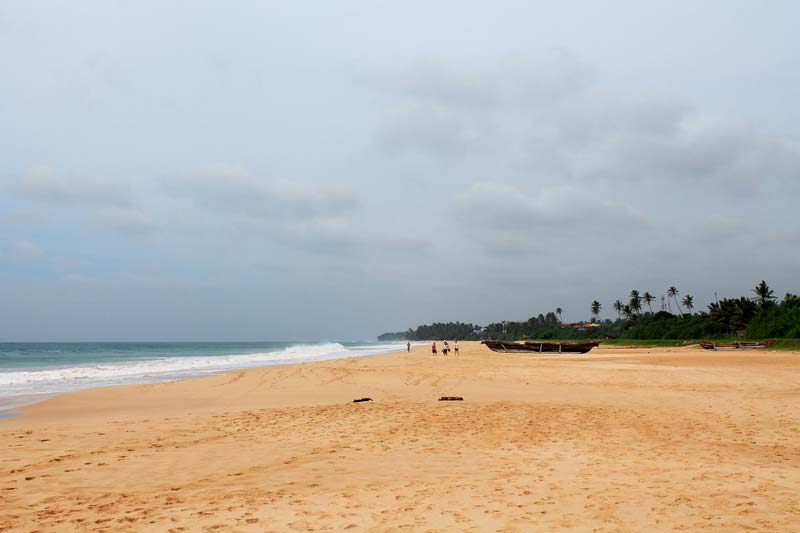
616	440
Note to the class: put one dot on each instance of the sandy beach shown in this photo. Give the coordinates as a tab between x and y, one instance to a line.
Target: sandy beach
615	440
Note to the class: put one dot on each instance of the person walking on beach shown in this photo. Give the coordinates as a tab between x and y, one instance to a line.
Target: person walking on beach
408	346
433	348
455	348
446	348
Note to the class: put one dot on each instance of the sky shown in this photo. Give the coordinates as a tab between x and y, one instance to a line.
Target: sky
333	170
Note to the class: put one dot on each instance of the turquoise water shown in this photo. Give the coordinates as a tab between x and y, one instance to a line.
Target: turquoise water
31	355
30	371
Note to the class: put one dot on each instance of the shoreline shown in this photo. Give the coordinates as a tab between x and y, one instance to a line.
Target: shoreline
13	406
634	439
10	409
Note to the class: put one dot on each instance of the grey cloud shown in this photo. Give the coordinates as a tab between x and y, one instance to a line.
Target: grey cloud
572	149
104	204
430	128
504	221
27	249
24	250
717	228
72	262
505	206
399	243
512	79
671	142
507	244
389	252
320	235
557	73
259	234
81	279
594	118
237	191
43	184
447	109
451	110
130	222
714	253
140	281
442	82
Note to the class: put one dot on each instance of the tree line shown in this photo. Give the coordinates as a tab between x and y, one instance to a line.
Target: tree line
758	316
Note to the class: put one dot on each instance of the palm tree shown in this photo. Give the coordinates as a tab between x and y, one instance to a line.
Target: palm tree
688	302
558	312
596	308
764	295
648	298
618	308
636	302
627	311
672	292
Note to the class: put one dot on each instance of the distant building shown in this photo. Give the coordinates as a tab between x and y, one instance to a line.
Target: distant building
581	326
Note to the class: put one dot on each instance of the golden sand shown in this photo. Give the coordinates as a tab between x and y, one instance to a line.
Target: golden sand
646	439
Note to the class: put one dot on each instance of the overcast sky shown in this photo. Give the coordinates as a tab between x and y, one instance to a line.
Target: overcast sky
333	170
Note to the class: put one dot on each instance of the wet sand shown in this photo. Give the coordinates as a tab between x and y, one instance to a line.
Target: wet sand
615	440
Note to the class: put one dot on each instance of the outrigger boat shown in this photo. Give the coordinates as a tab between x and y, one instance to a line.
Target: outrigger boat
540	347
709	345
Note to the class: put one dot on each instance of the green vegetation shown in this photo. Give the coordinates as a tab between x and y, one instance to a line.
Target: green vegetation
786	344
756	318
644	343
777	320
437	330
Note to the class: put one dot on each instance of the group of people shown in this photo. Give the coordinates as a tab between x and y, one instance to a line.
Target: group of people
445	348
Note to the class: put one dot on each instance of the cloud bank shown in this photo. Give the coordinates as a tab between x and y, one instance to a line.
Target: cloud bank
279	178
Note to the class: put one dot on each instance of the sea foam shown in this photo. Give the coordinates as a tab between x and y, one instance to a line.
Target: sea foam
23	382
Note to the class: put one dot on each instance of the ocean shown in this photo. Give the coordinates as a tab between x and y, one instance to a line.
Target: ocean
30	371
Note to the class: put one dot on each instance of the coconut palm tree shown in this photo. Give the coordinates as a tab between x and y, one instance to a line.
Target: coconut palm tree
596	308
648	299
688	302
627	311
618	308
558	312
764	295
636	302
672	292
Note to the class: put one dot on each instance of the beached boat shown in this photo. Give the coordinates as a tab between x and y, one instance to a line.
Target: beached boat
710	345
540	347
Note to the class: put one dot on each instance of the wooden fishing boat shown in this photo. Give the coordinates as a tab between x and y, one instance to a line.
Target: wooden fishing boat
710	345
540	347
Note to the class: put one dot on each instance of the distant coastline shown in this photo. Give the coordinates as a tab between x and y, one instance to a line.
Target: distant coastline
758	316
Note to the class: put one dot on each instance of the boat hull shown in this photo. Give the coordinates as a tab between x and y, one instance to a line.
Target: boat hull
709	345
540	347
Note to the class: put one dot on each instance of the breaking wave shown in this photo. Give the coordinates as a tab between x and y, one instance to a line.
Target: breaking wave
62	379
